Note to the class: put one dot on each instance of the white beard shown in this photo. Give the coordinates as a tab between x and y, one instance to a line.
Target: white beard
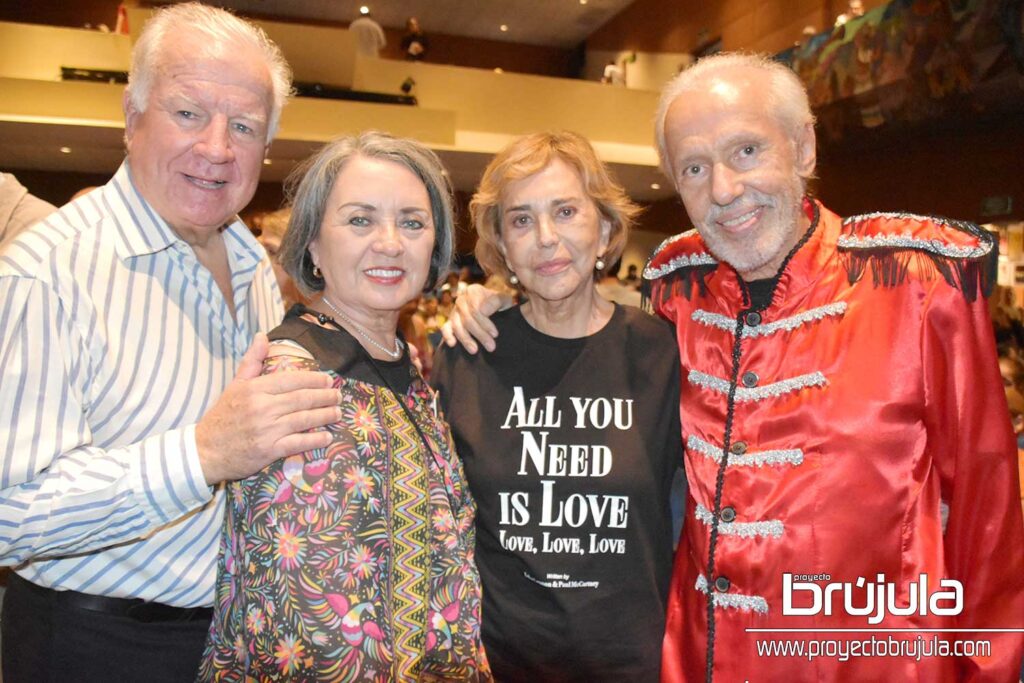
774	237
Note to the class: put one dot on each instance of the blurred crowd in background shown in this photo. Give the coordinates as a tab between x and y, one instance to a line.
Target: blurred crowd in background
1008	321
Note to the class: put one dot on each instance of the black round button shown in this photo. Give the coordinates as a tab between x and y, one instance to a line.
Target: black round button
738	448
722	584
728	514
749	379
753	318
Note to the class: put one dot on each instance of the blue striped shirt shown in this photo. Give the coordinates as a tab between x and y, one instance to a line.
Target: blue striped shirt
114	341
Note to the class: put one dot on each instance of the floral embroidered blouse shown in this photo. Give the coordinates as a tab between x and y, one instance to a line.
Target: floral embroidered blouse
354	562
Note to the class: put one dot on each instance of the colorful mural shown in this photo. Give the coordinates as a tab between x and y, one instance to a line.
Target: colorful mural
911	60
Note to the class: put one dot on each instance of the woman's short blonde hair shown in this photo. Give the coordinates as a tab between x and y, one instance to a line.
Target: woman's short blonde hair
530	154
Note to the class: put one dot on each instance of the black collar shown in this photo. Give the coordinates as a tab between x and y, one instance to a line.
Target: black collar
337	350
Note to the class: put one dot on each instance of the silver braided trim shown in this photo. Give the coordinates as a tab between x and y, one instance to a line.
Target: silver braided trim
747	603
683	261
744	394
789	324
709	319
791	456
760	529
907	242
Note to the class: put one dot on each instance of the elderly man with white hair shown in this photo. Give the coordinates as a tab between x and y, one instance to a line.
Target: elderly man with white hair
840	393
127	393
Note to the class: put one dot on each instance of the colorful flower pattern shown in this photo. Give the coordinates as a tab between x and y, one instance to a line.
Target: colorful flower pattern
310	586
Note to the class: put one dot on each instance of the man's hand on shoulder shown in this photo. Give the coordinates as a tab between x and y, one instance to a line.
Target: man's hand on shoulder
471	318
261	418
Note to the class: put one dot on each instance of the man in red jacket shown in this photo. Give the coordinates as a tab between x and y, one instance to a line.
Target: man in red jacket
850	460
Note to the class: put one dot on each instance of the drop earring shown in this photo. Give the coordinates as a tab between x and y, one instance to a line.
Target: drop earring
512	279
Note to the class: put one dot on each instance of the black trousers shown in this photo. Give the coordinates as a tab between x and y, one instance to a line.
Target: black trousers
47	640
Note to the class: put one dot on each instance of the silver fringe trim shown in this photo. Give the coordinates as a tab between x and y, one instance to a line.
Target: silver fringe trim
744	394
792	456
761	529
747	603
724	322
898	215
907	242
673	239
683	261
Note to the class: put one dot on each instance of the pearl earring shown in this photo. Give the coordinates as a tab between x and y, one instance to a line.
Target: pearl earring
513	280
599	265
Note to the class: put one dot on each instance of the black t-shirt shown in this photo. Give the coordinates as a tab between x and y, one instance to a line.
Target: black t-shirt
761	293
569	446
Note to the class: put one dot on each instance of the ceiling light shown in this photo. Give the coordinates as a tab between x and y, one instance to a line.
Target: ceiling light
267	162
655	186
364	9
65	150
504	28
583	2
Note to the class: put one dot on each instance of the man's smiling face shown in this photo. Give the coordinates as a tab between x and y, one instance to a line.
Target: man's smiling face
739	171
197	150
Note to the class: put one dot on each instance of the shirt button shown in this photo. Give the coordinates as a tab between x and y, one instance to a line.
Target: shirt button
749	379
722	584
753	318
728	514
738	448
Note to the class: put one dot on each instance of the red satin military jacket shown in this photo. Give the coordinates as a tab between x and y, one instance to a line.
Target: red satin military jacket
824	444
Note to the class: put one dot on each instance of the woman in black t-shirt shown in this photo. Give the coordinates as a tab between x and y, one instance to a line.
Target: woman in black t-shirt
568	430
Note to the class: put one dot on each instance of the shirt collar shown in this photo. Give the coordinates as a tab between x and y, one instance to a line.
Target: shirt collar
141	231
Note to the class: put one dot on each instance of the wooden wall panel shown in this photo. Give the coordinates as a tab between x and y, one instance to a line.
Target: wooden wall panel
943	171
56	188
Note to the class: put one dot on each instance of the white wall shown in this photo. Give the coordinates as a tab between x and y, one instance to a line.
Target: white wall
650	71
